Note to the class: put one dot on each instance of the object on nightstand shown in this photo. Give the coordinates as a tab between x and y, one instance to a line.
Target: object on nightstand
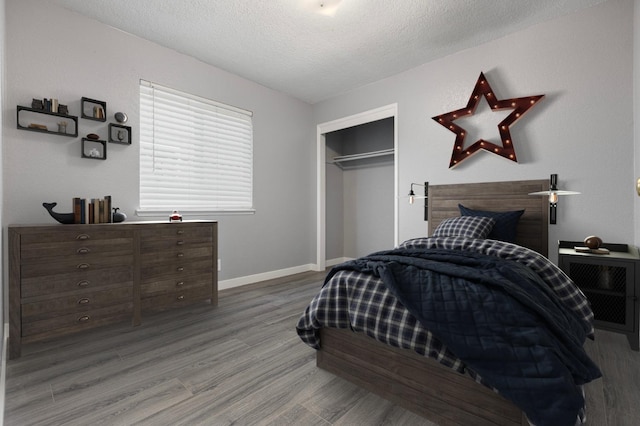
592	244
581	249
175	217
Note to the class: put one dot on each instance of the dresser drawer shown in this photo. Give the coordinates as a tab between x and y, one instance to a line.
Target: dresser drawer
75	322
187	231
175	299
154	288
79	265
80	282
178	254
43	308
36	251
176	270
151	247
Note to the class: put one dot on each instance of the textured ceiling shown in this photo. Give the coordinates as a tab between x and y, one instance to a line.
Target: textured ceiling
287	46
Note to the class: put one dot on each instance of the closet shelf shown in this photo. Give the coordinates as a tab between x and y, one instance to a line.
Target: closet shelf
343	159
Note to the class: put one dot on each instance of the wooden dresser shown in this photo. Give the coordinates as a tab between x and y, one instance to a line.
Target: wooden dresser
68	278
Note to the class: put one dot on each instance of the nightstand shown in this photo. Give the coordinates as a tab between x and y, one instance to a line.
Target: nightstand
611	283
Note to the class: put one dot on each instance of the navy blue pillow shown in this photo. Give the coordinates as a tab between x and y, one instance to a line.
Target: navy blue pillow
506	223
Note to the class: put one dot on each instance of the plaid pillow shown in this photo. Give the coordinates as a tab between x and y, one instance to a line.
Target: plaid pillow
506	223
465	226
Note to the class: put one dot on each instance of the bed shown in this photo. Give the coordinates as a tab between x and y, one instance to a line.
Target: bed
410	366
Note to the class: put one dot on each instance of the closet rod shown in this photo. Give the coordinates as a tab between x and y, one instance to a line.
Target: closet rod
353	157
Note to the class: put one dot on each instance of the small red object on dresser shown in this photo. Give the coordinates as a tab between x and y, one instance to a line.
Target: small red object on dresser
175	217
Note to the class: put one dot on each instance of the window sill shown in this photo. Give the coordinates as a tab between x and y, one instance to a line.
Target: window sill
192	213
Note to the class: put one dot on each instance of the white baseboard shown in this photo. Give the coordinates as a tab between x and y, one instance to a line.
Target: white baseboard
337	261
251	279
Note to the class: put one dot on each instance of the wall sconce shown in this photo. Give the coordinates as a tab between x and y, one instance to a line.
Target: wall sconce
413	196
553	193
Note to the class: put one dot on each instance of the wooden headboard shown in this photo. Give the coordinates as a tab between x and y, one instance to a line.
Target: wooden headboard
497	196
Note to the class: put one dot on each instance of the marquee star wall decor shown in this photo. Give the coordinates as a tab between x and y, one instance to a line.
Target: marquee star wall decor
519	105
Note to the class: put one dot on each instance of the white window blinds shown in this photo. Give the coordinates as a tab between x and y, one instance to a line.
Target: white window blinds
196	155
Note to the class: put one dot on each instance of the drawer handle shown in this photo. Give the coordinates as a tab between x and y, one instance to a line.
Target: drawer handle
83	266
83	301
180	268
181	297
83	250
83	237
180	232
180	283
180	254
84	318
83	284
180	242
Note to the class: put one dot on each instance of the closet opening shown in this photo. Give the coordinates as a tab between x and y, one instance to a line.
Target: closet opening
357	186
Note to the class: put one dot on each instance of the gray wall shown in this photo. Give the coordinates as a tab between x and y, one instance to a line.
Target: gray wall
582	129
54	53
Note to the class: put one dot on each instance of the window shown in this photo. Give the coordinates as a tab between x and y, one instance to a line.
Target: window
196	155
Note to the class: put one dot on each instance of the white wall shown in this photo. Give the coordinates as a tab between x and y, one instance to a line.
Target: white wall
582	129
54	53
636	108
3	294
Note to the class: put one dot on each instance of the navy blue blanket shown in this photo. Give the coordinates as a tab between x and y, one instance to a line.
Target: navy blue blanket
500	319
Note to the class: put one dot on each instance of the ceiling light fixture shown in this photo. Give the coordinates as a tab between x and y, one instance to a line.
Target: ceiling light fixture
323	7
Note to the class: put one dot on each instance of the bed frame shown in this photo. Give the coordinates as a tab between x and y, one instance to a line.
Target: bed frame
420	384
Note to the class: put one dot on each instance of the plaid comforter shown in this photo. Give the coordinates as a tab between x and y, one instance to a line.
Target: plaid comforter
362	303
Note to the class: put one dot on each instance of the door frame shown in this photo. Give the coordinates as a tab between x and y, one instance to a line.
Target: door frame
340	124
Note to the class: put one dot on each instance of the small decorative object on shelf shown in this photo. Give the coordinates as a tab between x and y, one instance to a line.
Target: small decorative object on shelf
64	218
119	134
93	136
121	117
175	217
93	109
118	216
25	115
95	149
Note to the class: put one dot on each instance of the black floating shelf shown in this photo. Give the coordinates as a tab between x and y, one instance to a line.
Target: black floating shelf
98	109
94	149
55	114
119	134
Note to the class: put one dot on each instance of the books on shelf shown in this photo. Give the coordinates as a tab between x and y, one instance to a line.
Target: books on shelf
94	210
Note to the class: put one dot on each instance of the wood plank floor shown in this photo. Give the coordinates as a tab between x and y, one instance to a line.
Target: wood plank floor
240	363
